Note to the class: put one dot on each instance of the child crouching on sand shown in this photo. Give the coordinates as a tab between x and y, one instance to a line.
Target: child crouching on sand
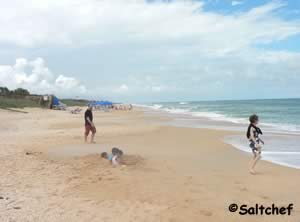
115	157
256	143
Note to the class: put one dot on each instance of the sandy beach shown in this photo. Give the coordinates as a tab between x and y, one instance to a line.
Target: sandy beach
173	173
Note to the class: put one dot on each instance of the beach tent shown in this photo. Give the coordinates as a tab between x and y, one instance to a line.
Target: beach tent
52	102
105	103
56	104
55	101
101	103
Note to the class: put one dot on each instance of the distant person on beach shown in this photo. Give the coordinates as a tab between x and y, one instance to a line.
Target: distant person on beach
89	124
256	143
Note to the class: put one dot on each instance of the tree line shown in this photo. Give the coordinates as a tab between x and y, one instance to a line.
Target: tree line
4	91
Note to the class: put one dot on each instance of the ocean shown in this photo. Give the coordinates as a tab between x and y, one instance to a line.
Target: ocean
279	120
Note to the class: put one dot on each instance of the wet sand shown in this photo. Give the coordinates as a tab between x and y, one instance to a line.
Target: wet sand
172	173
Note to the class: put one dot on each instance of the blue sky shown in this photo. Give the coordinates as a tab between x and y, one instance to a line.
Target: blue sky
142	51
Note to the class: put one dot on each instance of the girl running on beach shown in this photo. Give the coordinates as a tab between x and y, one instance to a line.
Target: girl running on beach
256	143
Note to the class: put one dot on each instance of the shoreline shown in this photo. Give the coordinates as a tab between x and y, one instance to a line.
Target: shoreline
237	137
217	118
173	173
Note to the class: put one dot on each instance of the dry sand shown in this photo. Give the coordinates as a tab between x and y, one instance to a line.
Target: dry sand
173	174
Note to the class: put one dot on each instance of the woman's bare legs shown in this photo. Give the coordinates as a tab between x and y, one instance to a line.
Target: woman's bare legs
92	137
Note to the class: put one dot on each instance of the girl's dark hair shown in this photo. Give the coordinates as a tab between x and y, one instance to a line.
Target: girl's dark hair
104	154
253	118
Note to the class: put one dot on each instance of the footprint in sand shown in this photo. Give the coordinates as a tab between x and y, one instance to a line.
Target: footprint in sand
188	180
264	197
206	213
33	153
243	189
196	190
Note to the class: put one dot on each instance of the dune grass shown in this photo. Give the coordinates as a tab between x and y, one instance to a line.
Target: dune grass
20	103
10	103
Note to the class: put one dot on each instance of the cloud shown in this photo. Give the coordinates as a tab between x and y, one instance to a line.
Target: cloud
235	3
175	48
100	22
123	87
156	88
36	76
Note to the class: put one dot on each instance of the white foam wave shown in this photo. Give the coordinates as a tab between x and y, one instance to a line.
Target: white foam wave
282	127
270	127
284	158
210	115
176	111
282	152
155	106
219	117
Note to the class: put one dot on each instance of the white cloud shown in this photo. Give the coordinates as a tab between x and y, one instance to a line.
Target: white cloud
35	76
156	88
66	82
85	22
175	47
235	3
123	88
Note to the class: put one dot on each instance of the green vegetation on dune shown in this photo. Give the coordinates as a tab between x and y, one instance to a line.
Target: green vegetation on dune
4	91
6	102
75	102
22	102
18	98
21	98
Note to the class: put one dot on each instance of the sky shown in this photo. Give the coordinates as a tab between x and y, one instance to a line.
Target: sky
152	50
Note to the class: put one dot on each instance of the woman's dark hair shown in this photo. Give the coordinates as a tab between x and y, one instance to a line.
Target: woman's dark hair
253	118
120	152
115	151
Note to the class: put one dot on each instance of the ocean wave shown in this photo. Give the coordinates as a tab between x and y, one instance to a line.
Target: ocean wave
176	110
281	148
183	103
214	116
209	115
282	152
219	117
154	106
282	127
157	106
284	158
